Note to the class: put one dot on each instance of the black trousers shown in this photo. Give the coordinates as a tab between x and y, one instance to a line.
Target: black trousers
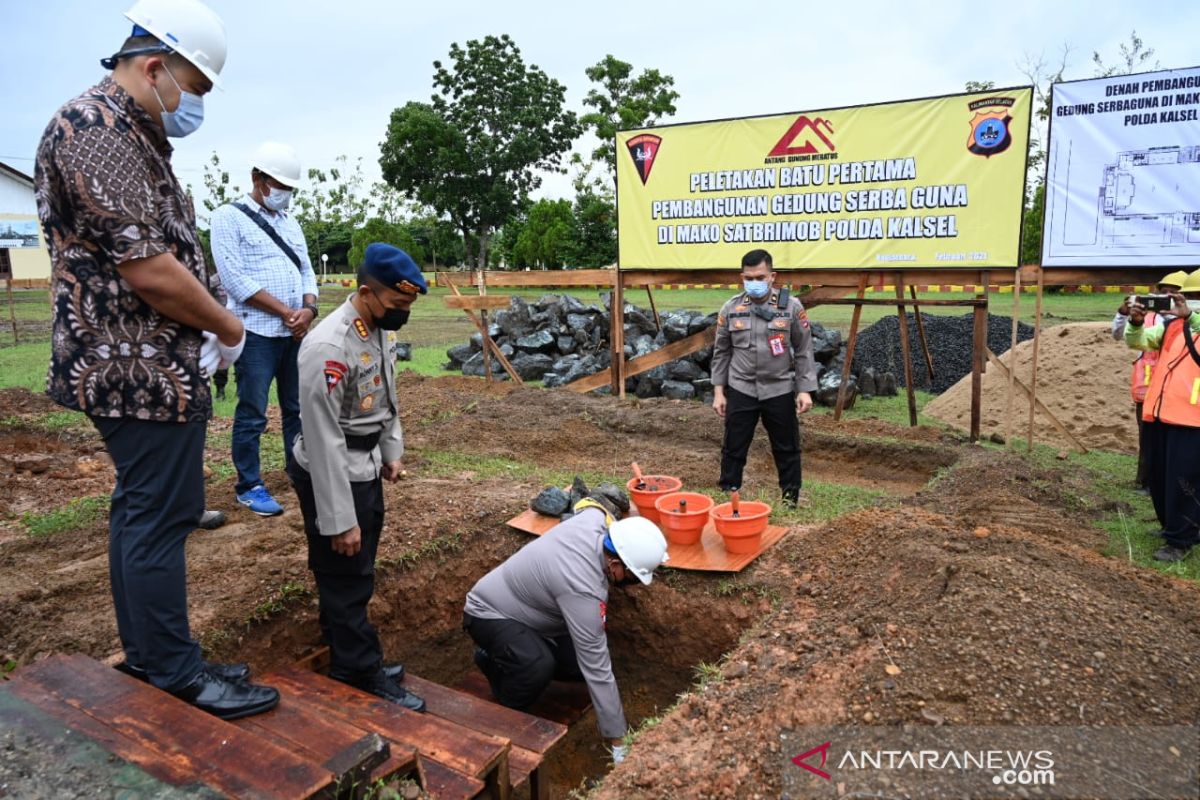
1152	442
778	415
345	584
523	662
1143	465
156	503
1181	490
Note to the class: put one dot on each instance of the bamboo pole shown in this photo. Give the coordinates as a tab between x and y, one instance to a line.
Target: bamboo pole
906	354
854	318
1012	357
924	342
1037	343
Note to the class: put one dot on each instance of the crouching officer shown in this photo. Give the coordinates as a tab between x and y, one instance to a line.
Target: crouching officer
762	366
541	615
350	437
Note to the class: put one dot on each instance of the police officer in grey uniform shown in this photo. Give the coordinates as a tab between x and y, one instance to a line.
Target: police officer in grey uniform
350	439
762	366
542	614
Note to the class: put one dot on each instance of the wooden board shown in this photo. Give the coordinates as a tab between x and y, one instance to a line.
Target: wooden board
707	555
46	729
562	702
523	730
189	741
443	783
296	726
478	302
466	751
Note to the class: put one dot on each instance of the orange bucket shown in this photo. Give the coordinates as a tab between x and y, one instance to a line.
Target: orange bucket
652	488
683	527
743	533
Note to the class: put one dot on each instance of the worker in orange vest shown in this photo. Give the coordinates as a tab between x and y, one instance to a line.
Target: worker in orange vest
1173	402
1139	380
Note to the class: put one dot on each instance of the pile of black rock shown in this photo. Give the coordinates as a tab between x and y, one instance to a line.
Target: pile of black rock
559	339
555	502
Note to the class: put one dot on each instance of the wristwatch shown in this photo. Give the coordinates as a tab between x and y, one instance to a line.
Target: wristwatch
313	308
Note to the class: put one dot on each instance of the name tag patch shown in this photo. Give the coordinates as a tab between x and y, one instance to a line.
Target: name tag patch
778	347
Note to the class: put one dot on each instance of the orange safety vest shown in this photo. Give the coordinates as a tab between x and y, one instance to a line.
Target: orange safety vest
1174	392
1143	368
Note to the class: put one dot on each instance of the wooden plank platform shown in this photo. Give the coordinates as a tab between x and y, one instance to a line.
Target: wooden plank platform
562	702
476	755
707	555
168	738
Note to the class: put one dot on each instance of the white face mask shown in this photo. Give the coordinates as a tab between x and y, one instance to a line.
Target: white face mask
278	199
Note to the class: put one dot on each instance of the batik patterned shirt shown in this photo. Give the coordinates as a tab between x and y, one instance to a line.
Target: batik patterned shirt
107	195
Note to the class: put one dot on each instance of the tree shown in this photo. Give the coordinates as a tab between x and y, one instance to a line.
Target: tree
474	151
216	182
330	207
622	102
545	237
594	231
380	230
1133	59
439	238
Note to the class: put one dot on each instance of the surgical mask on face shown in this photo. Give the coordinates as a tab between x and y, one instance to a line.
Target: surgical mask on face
187	117
278	199
757	289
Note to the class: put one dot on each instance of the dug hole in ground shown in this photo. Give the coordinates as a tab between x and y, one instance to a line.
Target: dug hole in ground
976	575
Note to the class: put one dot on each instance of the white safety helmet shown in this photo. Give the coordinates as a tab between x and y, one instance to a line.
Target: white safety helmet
279	161
189	28
640	545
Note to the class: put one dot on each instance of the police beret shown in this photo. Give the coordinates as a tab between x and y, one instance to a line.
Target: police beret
394	268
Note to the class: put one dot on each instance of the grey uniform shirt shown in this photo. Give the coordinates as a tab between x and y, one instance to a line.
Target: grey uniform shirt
347	386
556	586
764	358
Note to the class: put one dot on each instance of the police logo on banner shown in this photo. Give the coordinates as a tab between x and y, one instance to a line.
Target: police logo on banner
990	135
643	150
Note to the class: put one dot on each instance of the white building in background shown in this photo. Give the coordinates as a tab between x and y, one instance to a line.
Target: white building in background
20	232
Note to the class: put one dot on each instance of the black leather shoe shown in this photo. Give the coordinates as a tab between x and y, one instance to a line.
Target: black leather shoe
381	685
394	671
229	672
227	699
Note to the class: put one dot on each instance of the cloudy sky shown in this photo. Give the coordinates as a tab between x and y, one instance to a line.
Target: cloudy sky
325	76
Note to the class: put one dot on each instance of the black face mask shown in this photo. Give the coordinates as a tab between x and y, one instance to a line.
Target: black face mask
393	319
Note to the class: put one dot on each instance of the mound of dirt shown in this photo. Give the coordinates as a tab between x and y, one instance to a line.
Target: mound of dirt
916	618
1083	378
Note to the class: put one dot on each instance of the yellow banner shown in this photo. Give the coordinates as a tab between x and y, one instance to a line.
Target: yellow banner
921	183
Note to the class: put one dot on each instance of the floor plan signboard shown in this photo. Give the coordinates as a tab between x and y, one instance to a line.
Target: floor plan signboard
1123	174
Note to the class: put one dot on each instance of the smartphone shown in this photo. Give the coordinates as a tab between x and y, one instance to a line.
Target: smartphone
1154	302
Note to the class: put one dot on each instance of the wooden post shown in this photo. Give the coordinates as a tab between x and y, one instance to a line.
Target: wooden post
1037	341
1012	356
924	342
654	309
617	337
1055	421
487	356
487	340
854	318
978	357
906	354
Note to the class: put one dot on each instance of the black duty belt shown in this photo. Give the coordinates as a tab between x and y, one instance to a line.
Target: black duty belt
365	442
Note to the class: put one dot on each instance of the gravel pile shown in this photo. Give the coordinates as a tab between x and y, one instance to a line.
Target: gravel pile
878	347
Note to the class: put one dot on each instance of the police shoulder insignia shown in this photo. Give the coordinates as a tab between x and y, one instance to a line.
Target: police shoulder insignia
335	371
360	328
721	318
803	317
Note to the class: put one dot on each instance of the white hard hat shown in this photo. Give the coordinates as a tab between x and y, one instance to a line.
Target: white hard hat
279	161
188	27
640	544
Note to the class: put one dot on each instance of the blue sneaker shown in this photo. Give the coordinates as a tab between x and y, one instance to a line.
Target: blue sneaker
259	501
